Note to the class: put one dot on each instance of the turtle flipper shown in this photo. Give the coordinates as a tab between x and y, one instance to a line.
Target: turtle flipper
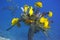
46	34
9	28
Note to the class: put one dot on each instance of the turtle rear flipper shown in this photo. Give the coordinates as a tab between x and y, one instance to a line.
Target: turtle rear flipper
46	34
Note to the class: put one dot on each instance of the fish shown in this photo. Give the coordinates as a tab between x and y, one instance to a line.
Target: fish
31	11
50	14
38	4
25	8
15	21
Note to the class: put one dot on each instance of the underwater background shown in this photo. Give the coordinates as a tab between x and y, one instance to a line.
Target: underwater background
22	32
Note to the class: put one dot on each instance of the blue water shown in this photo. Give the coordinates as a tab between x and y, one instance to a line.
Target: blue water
22	33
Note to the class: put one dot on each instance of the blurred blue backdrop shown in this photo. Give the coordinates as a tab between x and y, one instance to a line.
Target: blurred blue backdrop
22	33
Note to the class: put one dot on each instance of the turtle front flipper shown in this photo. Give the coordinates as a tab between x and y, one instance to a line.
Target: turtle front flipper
9	28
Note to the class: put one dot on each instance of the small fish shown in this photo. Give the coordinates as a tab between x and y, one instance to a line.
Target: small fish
42	19
46	25
31	11
50	14
26	8
38	4
15	21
